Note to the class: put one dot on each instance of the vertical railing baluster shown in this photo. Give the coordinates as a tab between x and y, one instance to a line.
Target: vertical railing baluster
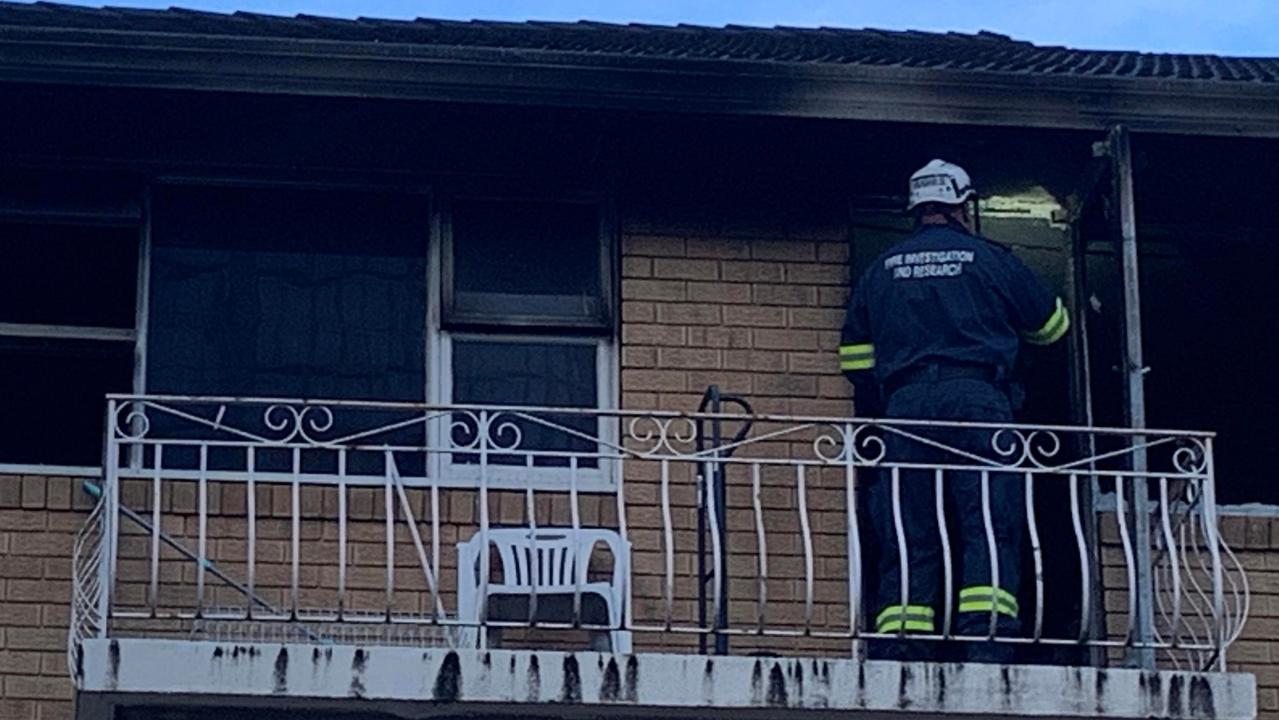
388	512
1213	543
295	533
853	542
668	543
761	540
155	528
110	519
899	530
623	531
717	560
1125	539
1174	567
343	600
806	533
202	519
1081	544
943	532
993	549
1032	525
251	510
482	426
579	562
530	511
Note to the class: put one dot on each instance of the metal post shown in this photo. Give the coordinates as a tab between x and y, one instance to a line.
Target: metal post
1134	370
110	522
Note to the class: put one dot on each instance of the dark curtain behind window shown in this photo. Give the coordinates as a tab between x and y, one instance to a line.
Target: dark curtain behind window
288	293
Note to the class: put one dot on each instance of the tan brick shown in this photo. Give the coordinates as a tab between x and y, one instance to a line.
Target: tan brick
38	688
832	296
755	317
721	292
638	312
816	274
689	358
654	380
685	269
688	314
757	360
19	615
743	271
59	493
787	385
723	248
768	339
663	290
639	357
41	544
784	250
719	337
10	491
14	662
33	491
23	519
27	638
639	401
803	295
637	267
652	245
55	710
823	363
646	334
17	709
816	318
20	567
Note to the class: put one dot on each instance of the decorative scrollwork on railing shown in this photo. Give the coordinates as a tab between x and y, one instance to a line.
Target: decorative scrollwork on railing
649	435
831	444
131	421
298	423
1191	458
866	446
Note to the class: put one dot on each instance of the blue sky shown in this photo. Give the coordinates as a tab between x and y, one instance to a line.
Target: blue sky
1226	27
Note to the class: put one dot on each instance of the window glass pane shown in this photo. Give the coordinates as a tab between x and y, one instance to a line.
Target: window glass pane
527	262
290	293
54	398
287	293
548	374
52	274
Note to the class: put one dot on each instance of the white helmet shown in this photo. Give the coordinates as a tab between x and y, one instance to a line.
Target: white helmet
940	182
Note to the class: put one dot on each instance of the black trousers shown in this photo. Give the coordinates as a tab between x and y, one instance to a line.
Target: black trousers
980	506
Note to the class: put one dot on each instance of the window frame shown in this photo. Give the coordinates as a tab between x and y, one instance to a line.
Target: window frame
441	332
603	324
136	218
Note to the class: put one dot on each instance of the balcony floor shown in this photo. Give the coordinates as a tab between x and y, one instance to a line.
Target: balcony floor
417	682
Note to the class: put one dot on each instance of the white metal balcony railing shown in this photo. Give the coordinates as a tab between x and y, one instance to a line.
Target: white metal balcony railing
327	522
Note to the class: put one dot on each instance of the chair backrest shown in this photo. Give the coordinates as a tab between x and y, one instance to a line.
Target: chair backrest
549	559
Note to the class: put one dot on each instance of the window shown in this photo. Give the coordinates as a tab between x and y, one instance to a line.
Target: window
294	293
527	318
67	316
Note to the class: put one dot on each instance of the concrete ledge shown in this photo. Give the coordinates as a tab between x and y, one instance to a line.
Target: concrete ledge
438	681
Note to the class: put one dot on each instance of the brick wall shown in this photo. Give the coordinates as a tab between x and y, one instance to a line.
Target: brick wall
1256	542
756	311
39	517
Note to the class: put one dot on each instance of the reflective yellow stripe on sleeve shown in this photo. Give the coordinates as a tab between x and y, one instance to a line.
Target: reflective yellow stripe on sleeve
984	598
1053	329
859	356
909	618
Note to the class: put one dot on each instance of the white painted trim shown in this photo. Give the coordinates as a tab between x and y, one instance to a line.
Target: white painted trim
67	332
1257	510
602	683
50	470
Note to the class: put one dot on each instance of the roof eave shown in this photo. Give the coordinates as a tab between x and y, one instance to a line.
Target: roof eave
535	77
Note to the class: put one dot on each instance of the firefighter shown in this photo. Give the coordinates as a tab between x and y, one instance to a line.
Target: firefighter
932	332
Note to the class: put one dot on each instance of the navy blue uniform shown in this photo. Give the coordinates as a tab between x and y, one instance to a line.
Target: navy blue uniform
934	326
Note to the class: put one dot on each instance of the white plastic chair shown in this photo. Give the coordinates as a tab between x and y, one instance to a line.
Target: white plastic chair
562	559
